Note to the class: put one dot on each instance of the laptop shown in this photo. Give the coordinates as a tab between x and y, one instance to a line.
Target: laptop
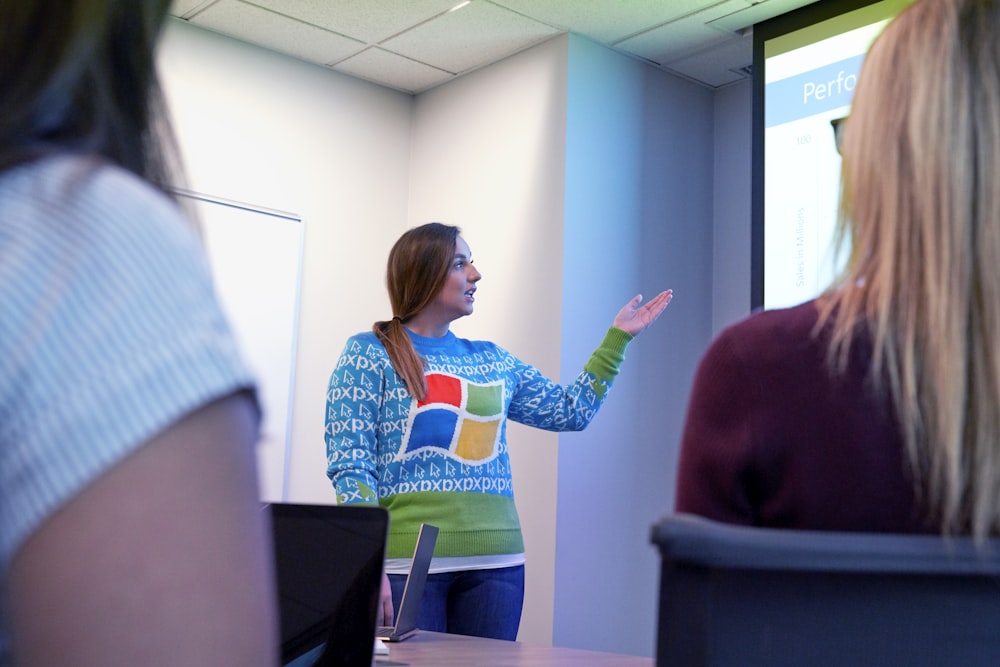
413	592
328	562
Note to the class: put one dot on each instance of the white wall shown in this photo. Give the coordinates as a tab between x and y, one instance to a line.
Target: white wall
488	155
573	200
638	219
732	195
579	177
272	131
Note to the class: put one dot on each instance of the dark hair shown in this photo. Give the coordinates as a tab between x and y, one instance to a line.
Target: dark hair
80	76
417	268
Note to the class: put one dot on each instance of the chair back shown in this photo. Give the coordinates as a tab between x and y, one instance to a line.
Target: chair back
736	595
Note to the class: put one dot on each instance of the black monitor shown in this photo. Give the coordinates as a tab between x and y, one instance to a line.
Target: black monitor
329	561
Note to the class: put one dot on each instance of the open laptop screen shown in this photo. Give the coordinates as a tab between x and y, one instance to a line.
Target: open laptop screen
328	560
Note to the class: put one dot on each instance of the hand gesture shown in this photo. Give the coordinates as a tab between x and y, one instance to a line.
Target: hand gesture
633	319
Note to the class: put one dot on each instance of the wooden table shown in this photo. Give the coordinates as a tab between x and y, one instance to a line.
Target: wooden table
435	649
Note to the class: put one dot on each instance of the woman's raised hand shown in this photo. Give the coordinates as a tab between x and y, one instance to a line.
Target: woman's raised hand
633	318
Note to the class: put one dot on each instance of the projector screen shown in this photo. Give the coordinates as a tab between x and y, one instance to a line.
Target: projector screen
805	69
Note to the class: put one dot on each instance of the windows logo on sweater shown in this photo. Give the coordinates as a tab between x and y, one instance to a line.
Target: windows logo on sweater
458	418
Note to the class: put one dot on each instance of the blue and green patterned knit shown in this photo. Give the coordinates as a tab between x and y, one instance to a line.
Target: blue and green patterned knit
444	460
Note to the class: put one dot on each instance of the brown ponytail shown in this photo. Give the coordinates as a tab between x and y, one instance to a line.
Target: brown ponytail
417	268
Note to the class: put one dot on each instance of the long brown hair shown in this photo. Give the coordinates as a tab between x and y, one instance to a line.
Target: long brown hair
921	203
417	268
80	75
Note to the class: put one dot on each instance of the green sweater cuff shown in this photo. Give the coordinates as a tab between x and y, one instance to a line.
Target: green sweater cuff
609	355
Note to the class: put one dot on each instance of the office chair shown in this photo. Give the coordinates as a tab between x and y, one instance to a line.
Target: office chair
735	595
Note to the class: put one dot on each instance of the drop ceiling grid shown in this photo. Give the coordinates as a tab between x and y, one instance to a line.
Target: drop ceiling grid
475	35
392	70
683	36
413	45
263	27
369	21
609	21
715	66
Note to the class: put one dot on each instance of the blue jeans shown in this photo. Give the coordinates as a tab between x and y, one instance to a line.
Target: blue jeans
481	603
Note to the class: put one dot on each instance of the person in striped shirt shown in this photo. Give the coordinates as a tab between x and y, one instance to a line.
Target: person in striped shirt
130	525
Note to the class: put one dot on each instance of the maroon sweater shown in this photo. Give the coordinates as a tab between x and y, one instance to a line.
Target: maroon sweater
774	438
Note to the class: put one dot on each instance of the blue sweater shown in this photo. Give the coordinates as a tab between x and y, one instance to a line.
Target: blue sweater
444	460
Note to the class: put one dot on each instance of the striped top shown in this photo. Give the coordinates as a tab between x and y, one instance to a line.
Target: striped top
109	332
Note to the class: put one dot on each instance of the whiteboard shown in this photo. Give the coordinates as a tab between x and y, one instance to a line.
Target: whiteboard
256	260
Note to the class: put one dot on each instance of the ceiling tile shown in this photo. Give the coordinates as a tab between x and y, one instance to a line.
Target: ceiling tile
180	8
474	35
756	13
275	31
389	69
423	42
369	21
693	32
605	21
719	66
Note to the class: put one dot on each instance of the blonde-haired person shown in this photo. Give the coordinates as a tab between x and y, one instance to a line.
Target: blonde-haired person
877	406
416	421
130	526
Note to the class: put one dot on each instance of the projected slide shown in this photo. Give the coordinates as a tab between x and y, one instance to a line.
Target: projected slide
809	80
805	88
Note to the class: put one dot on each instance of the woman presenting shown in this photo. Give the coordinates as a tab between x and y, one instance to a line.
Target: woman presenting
416	422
